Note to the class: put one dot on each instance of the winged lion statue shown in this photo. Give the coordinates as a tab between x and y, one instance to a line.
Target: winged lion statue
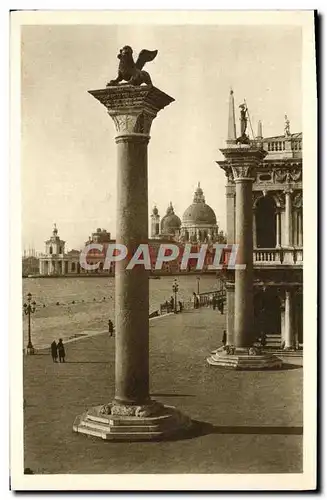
131	71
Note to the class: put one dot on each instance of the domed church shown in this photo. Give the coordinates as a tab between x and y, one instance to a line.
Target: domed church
199	223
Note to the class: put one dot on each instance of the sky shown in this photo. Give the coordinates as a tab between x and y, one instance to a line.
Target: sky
68	152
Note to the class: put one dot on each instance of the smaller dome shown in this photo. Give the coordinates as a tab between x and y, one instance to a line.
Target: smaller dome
170	222
155	211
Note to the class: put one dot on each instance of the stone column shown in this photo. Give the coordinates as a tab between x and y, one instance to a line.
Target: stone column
243	159
288	217
62	267
288	327
230	213
254	229
230	308
243	328
132	109
300	229
277	228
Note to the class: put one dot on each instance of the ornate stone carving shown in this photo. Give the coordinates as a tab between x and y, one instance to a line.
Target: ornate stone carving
294	174
280	175
242	172
298	200
133	123
132	108
121	410
280	199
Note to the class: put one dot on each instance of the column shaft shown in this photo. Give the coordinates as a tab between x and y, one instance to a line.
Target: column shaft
254	229
277	229
230	303
288	219
289	337
132	286
243	334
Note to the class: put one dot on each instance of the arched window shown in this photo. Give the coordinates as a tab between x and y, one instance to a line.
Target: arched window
50	250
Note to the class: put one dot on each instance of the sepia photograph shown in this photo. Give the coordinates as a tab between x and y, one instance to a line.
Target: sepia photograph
164	186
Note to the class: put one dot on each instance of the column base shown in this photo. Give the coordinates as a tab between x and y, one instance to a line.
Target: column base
244	359
132	423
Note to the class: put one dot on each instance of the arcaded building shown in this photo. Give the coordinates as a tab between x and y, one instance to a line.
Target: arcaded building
277	236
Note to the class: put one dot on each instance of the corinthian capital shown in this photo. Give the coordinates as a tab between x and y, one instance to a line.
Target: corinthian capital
132	108
243	172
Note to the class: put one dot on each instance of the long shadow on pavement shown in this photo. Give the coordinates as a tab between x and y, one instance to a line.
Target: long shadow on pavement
199	429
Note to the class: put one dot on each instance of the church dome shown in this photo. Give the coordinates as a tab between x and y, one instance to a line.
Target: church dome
199	212
170	222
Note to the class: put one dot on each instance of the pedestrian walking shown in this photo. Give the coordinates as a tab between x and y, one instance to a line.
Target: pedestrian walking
224	339
111	328
180	306
61	351
54	352
172	303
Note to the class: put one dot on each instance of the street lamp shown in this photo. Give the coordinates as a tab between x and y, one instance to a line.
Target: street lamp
175	290
29	308
198	280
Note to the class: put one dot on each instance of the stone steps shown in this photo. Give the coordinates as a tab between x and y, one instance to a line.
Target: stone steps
244	361
114	427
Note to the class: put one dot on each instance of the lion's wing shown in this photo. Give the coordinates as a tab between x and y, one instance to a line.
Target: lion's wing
144	57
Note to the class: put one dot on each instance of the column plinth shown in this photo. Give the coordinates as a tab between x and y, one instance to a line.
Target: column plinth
132	414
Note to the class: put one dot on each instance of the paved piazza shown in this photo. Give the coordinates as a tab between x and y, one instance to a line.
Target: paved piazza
248	422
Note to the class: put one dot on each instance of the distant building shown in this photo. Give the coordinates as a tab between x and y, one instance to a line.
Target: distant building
55	261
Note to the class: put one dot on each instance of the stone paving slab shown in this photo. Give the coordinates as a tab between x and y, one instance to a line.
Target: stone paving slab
248	421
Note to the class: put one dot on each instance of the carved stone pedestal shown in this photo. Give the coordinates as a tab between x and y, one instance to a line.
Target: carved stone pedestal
244	359
132	423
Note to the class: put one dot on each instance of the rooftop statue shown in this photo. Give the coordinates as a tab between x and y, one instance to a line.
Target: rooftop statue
287	128
130	71
243	139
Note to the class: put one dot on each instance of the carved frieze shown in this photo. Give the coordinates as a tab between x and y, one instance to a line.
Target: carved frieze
292	175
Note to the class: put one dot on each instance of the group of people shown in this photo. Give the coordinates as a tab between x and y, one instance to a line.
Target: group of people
58	350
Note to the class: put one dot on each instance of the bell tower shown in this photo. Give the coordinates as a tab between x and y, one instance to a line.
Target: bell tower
155	223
